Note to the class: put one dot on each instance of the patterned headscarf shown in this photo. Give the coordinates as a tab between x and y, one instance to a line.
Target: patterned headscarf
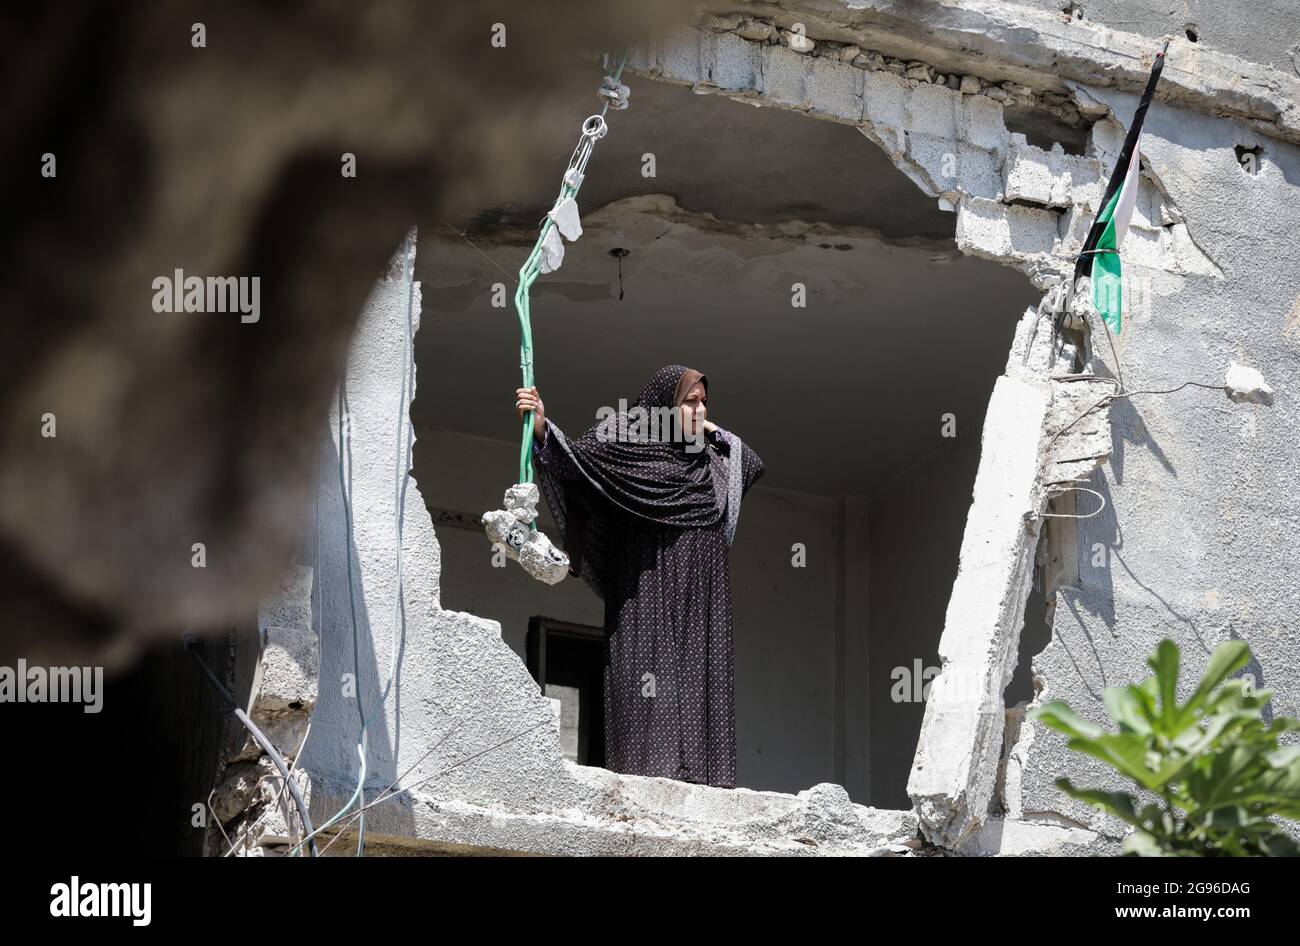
654	476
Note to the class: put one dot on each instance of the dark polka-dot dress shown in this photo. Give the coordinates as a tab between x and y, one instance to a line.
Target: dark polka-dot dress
669	672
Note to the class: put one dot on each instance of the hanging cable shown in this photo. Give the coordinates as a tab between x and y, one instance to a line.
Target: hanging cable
593	129
259	737
401	478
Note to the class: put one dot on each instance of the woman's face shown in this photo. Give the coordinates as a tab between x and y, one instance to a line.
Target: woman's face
695	410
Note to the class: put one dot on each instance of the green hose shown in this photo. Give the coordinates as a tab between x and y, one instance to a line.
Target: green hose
528	274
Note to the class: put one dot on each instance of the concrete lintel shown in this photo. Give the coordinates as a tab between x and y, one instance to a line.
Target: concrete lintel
1008	42
954	774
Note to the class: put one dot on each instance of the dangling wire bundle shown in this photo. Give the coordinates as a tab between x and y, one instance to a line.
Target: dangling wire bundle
544	257
513	528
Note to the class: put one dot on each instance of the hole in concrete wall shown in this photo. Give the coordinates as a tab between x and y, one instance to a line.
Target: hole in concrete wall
1192	34
1043	128
1073	10
1249	158
847	400
1056	565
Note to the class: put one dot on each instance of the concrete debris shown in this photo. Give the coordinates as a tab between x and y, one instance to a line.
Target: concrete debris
722	24
798	42
552	251
565	215
919	71
1029	51
284	695
238	789
755	30
1016	203
1247	385
510	528
521	501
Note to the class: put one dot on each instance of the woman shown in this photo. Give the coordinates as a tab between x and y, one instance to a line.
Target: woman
647	515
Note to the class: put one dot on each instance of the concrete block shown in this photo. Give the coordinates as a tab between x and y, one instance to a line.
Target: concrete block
736	63
980	121
979	172
1051	178
932	110
1027	174
995	230
679	56
937	158
785	76
884	95
836	89
1032	232
1073	229
953	165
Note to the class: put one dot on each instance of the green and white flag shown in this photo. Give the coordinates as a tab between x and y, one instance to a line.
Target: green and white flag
1106	276
1100	258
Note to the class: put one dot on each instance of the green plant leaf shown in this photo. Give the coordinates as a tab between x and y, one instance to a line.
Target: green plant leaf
1165	663
1119	804
1058	715
1141	844
1125	706
1227	658
1282	756
1218	768
1126	752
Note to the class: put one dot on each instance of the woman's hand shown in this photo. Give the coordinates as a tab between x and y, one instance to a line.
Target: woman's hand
710	426
527	399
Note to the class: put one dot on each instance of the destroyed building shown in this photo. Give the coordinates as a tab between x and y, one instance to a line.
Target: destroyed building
959	520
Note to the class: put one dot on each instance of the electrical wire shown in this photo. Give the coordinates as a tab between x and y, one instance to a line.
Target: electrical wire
401	478
593	129
258	736
344	460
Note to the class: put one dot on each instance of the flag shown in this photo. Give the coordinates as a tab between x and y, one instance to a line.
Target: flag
1100	256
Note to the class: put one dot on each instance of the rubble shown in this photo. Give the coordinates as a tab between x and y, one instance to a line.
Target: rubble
1247	384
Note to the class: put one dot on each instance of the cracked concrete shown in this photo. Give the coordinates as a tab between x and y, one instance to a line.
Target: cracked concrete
1016	203
981	779
473	745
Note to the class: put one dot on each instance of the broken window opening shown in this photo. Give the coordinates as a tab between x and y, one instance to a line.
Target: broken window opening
866	402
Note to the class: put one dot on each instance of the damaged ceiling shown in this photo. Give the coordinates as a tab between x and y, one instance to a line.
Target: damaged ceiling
696	265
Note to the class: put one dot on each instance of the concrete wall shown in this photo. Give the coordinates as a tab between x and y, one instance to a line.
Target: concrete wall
1196	541
1262	31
